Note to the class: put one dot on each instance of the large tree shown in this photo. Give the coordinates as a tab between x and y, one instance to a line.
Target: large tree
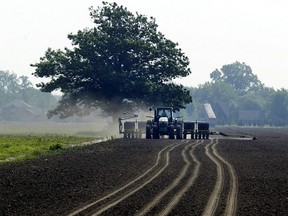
239	75
123	56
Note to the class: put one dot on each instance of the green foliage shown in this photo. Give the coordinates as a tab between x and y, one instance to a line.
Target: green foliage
216	91
279	108
13	88
123	56
55	147
235	88
239	75
251	102
19	147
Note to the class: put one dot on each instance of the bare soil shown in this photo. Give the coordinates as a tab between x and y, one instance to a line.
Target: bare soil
135	176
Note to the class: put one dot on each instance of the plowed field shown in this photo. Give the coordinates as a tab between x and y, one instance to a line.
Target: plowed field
219	176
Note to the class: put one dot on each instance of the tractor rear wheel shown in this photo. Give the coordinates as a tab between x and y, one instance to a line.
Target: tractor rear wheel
148	132
155	132
192	135
125	135
178	132
207	135
185	135
171	131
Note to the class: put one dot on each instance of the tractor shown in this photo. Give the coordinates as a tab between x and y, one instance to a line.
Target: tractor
163	123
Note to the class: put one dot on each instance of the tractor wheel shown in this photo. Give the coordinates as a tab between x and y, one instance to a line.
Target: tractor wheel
155	132
171	132
178	132
201	135
148	132
125	135
192	135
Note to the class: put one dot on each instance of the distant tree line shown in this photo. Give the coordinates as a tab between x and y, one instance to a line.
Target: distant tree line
14	88
234	88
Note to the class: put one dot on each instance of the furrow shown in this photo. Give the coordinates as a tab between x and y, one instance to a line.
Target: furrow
137	188
212	204
175	199
231	203
174	184
160	154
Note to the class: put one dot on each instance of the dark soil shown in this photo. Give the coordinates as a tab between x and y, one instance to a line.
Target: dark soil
58	184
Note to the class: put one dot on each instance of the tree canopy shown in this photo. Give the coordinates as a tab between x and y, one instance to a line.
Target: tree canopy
279	108
239	75
123	56
12	87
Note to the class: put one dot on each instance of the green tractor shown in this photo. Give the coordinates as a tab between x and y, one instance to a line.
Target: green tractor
163	123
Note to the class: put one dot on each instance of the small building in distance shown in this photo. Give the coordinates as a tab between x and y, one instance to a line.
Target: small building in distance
19	111
210	115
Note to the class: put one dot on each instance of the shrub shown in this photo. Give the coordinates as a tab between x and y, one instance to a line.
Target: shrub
55	147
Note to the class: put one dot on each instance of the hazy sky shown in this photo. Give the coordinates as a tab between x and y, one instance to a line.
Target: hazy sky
211	33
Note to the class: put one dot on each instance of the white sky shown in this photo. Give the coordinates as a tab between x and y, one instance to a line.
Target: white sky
211	33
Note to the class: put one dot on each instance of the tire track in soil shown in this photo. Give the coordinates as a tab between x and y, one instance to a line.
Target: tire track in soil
212	204
195	173
231	203
219	161
175	183
115	197
162	162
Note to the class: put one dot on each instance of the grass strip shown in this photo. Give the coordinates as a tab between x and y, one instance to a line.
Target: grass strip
21	147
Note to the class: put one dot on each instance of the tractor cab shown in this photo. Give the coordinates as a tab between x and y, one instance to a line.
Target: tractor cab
161	124
164	114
